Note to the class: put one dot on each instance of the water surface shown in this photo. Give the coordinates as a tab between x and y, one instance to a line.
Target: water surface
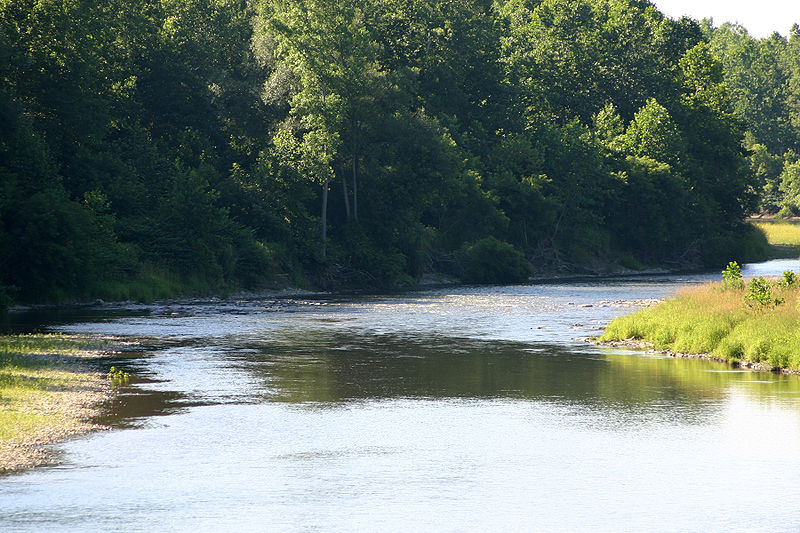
458	409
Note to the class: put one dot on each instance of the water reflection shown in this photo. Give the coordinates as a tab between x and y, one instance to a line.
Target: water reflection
463	409
135	404
334	367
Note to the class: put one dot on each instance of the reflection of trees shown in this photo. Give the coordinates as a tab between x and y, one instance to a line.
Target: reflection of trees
126	408
306	366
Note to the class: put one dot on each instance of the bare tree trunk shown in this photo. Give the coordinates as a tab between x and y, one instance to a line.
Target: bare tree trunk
355	166
346	196
324	194
324	217
355	186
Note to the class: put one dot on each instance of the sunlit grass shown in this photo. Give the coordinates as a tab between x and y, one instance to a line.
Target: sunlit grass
14	347
25	386
15	425
782	232
43	392
717	322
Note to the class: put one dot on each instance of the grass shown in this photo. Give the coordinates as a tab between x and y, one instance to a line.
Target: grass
150	284
24	346
46	394
717	322
781	233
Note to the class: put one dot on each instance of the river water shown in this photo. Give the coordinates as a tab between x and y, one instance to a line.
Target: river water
455	409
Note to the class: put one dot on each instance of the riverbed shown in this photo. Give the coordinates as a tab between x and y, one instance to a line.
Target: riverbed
448	409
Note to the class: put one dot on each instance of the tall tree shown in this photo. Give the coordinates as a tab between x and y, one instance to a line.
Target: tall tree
326	44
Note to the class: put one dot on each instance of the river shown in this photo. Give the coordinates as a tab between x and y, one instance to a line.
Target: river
450	409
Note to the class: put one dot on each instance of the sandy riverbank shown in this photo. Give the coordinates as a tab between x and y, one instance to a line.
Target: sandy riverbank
48	393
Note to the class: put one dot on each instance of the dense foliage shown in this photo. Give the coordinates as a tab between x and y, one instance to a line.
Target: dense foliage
763	81
153	147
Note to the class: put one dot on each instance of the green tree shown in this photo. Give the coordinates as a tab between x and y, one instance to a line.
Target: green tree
757	84
572	57
327	46
790	182
652	133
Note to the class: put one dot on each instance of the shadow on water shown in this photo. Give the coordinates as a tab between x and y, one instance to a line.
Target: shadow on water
133	404
314	367
137	400
37	320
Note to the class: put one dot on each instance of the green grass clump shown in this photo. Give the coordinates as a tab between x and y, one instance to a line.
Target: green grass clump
718	322
118	377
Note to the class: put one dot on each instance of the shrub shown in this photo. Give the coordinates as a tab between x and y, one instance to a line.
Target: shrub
118	377
759	291
789	279
732	276
492	261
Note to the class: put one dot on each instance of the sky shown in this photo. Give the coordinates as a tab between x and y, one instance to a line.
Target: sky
760	17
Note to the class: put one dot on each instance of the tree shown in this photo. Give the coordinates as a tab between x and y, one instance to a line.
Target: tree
326	45
652	133
757	84
790	182
572	57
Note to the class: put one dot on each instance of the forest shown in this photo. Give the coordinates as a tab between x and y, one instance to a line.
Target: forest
156	148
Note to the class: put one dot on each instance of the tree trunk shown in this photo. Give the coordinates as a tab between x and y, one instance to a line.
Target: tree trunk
324	217
346	196
355	186
324	193
355	167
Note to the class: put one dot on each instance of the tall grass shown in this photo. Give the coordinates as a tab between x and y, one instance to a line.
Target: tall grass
151	284
710	320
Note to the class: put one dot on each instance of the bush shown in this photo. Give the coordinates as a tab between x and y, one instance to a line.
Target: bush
732	276
759	292
789	279
492	261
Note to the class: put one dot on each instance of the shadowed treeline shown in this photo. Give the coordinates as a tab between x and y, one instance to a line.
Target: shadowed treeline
156	148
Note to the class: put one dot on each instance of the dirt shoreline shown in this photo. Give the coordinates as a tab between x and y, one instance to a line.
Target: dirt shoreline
60	412
648	347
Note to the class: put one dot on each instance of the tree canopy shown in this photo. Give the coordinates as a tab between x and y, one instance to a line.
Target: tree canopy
156	147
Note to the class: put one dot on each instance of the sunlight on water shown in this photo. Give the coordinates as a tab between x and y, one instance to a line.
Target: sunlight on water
460	409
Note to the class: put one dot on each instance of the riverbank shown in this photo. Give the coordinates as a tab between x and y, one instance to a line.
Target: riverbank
726	325
649	347
48	393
